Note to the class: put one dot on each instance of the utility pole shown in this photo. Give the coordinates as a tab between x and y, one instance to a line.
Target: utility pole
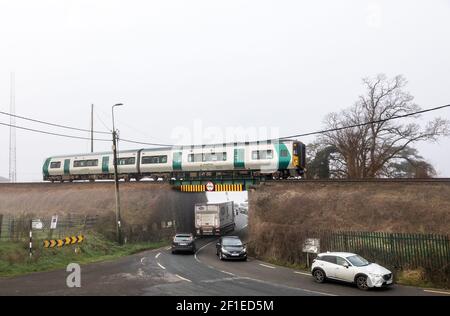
116	178
12	133
92	128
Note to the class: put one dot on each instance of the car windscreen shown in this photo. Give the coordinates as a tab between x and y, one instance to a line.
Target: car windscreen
231	242
358	261
183	237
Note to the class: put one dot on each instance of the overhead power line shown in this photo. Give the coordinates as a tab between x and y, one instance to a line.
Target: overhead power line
172	145
54	134
51	124
317	132
365	123
144	143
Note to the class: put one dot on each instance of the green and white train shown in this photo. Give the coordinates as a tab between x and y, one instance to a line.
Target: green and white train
280	160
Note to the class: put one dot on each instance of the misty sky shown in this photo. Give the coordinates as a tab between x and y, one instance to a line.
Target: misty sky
191	70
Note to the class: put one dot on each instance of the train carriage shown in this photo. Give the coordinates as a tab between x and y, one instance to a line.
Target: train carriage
279	159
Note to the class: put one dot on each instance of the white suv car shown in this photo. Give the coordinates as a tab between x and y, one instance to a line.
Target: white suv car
352	268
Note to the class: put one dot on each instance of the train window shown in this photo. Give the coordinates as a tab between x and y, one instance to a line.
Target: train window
262	154
154	159
195	157
85	163
284	153
126	161
55	165
215	156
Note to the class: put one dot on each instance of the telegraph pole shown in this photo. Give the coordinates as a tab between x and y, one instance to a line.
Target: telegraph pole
12	133
116	178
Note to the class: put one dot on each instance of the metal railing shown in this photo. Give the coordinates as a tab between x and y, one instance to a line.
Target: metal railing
16	228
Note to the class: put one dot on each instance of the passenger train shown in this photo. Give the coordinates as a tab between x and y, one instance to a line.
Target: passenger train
280	159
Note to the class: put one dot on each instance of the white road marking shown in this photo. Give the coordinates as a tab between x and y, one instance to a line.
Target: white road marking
222	280
161	266
267	266
157	255
288	287
184	279
438	292
142	260
168	248
304	273
237	278
226	272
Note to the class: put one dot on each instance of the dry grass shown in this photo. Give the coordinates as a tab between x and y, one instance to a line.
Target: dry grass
387	207
143	205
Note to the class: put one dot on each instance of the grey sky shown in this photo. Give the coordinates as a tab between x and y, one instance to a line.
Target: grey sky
280	65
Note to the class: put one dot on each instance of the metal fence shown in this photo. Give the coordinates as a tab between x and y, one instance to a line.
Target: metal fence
398	250
16	228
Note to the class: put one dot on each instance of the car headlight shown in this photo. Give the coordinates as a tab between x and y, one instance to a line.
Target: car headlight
375	275
225	251
244	249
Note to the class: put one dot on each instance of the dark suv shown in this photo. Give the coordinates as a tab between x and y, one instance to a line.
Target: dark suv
183	242
231	247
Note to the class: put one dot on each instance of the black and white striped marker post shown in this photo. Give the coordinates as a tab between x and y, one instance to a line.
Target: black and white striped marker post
31	238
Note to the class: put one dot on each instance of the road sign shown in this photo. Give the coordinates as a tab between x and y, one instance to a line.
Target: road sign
210	186
37	224
311	245
70	240
54	222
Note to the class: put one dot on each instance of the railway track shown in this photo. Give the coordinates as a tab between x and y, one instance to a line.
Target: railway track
377	180
387	180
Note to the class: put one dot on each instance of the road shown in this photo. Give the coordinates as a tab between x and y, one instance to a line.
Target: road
158	272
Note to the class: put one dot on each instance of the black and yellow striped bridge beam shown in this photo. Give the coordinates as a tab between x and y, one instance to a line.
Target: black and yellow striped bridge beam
212	187
193	188
228	187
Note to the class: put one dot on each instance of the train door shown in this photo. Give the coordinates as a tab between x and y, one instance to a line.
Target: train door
66	167
239	158
176	162
105	164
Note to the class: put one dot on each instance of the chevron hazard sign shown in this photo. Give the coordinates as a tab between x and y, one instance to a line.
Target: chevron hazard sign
70	240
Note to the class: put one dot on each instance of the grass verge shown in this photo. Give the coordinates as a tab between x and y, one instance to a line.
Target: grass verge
15	260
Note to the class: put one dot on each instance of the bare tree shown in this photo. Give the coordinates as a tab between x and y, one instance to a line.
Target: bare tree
365	151
409	164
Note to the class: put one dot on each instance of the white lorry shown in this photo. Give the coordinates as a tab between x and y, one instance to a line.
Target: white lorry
214	219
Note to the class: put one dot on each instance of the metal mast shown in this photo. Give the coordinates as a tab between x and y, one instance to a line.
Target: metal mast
12	133
92	128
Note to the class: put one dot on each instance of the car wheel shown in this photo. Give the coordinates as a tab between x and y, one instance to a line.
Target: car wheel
361	283
319	276
220	255
173	252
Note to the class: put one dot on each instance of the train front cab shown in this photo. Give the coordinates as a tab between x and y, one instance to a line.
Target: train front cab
299	157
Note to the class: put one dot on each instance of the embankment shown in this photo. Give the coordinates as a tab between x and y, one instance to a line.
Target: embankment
146	208
283	215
